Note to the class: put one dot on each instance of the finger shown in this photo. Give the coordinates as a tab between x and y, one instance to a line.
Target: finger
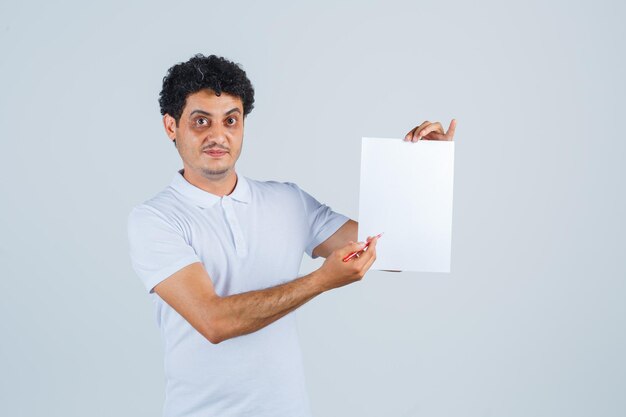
372	243
436	136
409	135
416	133
363	259
367	266
370	261
432	128
352	247
365	253
367	248
451	129
419	135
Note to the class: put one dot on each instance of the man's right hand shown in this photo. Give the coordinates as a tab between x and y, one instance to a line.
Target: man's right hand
335	273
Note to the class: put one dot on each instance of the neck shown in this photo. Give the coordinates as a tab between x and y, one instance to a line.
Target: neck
219	185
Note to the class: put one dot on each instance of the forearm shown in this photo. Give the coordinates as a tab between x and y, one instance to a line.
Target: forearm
244	313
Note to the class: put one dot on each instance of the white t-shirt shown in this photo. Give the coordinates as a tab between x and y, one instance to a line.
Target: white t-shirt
252	239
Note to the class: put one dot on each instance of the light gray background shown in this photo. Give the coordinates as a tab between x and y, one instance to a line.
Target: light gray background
532	319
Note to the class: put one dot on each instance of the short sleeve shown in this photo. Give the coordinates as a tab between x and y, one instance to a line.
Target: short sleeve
157	248
322	220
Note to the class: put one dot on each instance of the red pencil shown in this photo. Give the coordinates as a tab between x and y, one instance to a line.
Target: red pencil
353	254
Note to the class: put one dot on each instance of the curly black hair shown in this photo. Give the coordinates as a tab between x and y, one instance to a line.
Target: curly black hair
200	72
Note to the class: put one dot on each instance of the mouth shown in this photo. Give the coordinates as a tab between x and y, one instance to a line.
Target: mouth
215	153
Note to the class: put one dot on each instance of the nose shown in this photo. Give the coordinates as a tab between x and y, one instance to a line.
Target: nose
217	134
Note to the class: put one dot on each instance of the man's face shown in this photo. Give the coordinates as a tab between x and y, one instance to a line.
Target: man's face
209	134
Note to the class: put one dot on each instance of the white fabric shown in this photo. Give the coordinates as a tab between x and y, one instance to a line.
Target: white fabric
252	239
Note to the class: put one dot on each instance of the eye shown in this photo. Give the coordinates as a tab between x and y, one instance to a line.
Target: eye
201	121
231	121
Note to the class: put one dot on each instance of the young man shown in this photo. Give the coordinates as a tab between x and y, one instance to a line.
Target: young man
219	254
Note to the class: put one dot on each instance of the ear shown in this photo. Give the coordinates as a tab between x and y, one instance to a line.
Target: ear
169	123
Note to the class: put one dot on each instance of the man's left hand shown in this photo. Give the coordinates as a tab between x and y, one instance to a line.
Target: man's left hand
431	131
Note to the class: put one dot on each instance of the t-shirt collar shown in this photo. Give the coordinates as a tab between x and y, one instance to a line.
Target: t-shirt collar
205	199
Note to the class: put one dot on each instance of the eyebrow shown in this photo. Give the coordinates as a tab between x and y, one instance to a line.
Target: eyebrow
233	110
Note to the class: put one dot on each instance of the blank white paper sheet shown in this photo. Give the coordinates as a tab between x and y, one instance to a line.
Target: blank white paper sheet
406	192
